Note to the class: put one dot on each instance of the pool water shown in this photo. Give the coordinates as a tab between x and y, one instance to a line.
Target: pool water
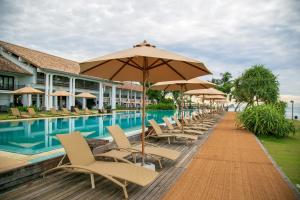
37	136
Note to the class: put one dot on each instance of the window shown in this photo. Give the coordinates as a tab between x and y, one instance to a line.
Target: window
7	82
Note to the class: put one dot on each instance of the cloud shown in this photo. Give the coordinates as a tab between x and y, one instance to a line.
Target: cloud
227	35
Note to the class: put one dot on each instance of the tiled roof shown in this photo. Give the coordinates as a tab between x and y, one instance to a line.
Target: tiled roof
8	66
134	87
42	60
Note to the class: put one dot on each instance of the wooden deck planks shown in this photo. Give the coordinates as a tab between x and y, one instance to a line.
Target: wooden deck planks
230	165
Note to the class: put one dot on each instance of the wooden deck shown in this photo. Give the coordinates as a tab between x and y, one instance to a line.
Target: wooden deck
64	185
231	165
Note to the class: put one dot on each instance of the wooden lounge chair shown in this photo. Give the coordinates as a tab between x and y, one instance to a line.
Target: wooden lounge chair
65	111
159	133
151	150
203	120
195	120
77	111
178	123
55	112
186	131
15	112
187	122
88	112
32	113
82	161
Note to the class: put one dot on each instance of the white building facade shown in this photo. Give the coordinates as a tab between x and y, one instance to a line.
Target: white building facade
20	66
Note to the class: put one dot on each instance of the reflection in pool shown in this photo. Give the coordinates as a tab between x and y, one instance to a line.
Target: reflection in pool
36	136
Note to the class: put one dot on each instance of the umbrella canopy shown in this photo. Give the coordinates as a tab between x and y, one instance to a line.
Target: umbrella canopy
129	65
144	63
61	94
184	85
86	95
27	90
214	97
210	91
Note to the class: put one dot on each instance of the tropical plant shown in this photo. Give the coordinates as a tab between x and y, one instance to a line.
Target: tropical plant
265	119
257	84
161	106
225	83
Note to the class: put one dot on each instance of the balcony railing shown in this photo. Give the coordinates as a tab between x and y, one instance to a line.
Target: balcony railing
10	87
88	87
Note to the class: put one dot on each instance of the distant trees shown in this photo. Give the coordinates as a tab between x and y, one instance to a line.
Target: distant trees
225	83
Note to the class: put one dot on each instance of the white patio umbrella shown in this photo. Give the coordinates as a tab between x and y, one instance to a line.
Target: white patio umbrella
144	63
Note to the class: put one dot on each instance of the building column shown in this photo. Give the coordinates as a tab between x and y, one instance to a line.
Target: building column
29	99
38	101
134	98
50	91
120	96
46	97
24	100
113	97
55	102
73	92
83	103
100	96
128	99
70	91
11	99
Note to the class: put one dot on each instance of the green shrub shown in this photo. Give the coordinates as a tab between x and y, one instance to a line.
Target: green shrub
24	108
281	106
266	119
161	106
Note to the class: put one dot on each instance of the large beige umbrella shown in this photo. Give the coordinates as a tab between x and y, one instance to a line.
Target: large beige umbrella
84	96
182	86
61	93
203	92
210	91
144	63
27	90
214	97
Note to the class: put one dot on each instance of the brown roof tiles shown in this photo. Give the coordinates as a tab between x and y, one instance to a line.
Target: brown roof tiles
8	66
42	60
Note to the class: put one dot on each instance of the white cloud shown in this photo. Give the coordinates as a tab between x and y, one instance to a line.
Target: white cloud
227	35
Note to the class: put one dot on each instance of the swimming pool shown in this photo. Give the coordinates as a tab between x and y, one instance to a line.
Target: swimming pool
36	136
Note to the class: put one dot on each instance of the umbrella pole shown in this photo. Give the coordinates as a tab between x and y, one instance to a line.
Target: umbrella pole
143	122
145	78
181	92
202	117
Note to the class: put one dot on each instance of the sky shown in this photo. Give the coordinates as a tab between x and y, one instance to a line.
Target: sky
226	35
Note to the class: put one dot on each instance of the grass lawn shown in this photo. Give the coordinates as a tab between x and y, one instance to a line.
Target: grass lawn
286	152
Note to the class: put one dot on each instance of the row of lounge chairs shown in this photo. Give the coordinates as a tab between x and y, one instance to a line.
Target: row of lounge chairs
53	112
84	161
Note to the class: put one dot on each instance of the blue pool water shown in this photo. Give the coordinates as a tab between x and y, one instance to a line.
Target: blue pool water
36	136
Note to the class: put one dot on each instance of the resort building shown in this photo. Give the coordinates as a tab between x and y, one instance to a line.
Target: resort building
21	66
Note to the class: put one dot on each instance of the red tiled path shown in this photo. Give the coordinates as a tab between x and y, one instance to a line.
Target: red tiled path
230	165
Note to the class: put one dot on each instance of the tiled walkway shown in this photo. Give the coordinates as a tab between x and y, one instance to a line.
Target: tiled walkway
230	165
